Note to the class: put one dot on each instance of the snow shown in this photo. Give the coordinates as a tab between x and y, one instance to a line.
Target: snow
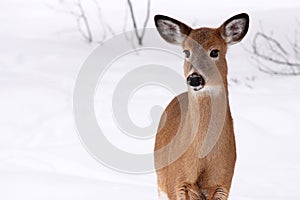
41	156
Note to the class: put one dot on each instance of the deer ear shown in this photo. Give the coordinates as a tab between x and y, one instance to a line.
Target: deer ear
235	28
171	30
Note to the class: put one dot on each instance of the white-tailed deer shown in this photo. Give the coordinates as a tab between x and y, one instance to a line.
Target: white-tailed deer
184	172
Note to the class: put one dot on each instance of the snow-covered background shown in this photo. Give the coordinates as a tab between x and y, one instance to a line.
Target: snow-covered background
41	53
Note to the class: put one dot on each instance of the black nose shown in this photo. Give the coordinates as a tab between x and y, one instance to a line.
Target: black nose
195	80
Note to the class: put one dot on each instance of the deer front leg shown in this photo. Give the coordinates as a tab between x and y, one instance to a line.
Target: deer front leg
217	193
189	192
181	193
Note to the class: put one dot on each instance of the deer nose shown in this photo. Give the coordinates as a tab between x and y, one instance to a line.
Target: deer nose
195	80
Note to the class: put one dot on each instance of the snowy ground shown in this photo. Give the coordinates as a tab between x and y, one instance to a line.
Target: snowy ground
41	156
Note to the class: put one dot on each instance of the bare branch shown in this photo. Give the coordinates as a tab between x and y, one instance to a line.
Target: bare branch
133	20
106	27
147	19
65	11
89	36
76	9
138	36
268	49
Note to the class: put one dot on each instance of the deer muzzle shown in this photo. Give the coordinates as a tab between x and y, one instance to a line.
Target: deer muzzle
196	81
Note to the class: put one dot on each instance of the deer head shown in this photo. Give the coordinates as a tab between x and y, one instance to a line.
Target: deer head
204	48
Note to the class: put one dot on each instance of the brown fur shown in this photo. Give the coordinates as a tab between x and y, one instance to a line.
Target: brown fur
190	177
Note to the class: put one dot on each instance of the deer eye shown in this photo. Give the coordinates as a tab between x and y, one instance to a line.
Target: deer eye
187	53
214	53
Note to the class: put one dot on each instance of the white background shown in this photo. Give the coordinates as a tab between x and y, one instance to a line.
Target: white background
40	56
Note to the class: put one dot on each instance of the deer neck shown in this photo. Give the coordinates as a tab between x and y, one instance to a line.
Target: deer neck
211	103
